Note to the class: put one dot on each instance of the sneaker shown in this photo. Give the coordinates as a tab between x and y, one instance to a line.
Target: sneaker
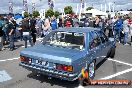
126	44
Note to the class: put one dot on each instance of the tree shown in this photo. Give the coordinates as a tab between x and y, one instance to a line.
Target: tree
35	14
26	14
68	10
56	13
130	9
49	13
89	8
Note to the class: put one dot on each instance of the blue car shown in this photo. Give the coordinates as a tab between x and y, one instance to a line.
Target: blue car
66	52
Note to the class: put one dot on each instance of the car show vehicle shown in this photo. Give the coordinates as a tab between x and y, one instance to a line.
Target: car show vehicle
63	53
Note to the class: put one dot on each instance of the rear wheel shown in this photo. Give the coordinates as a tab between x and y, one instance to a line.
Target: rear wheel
91	73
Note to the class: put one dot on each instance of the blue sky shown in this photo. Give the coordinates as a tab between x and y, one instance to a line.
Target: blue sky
42	4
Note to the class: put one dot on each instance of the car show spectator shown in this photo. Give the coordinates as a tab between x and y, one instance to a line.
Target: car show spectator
11	32
39	26
131	32
46	28
118	29
26	32
126	30
33	30
1	33
53	23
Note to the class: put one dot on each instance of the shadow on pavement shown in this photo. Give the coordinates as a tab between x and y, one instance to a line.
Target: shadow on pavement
99	64
54	81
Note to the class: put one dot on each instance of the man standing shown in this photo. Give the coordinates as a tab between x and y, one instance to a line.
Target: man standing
11	32
1	34
118	28
26	31
126	30
53	23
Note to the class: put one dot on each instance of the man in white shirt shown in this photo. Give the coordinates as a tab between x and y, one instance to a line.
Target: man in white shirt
126	30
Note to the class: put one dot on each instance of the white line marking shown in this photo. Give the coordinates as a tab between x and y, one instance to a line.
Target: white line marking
120	62
117	74
24	46
80	86
9	59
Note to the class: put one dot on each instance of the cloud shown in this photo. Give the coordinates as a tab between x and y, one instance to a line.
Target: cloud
43	4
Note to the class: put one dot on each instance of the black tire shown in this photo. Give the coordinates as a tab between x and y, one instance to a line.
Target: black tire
112	53
86	81
108	54
94	70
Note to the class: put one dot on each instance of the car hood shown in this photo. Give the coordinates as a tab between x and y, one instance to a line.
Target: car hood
53	54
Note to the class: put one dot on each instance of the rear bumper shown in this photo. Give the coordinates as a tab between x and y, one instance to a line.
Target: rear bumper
50	72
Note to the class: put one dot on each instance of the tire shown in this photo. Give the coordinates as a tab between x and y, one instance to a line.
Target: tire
108	54
93	74
112	53
86	81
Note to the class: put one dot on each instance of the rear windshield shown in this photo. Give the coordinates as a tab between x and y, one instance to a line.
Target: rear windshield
66	40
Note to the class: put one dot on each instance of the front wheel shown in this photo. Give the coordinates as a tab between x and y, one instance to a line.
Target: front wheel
112	53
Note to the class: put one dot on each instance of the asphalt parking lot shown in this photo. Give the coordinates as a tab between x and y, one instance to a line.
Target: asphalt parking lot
14	76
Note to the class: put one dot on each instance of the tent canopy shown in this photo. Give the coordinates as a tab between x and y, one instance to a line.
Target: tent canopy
96	12
17	16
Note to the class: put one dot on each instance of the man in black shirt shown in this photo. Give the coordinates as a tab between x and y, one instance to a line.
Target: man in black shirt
11	31
26	31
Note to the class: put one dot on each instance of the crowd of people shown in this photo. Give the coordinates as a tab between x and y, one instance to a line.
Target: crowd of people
119	27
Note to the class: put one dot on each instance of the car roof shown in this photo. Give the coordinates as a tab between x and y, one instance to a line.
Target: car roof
78	29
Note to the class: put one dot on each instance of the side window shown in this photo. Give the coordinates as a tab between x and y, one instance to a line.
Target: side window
94	40
102	36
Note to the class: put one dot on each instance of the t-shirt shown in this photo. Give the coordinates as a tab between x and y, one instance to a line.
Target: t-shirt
125	26
10	27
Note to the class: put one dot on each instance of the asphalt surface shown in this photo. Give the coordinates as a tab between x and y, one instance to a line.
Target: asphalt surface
21	78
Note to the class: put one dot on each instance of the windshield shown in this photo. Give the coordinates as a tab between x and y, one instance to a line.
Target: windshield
65	40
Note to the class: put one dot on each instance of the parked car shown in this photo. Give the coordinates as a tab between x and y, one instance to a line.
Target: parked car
66	51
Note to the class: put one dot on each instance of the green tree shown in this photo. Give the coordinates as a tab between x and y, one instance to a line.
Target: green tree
89	8
68	10
56	13
35	14
26	14
130	9
49	13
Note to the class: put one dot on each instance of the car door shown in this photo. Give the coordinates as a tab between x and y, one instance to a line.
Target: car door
94	46
105	45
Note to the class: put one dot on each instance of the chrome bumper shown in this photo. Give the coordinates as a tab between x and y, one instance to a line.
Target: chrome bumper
51	72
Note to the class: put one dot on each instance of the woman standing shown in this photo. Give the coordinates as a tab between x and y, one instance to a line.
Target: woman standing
46	27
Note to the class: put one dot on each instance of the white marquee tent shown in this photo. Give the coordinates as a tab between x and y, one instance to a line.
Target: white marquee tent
96	12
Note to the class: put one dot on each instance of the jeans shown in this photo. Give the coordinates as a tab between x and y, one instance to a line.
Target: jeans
27	37
126	38
1	43
117	34
11	40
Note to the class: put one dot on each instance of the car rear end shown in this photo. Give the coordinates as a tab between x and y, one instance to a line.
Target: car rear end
48	67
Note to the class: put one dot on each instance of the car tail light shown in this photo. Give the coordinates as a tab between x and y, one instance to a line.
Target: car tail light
64	67
24	59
